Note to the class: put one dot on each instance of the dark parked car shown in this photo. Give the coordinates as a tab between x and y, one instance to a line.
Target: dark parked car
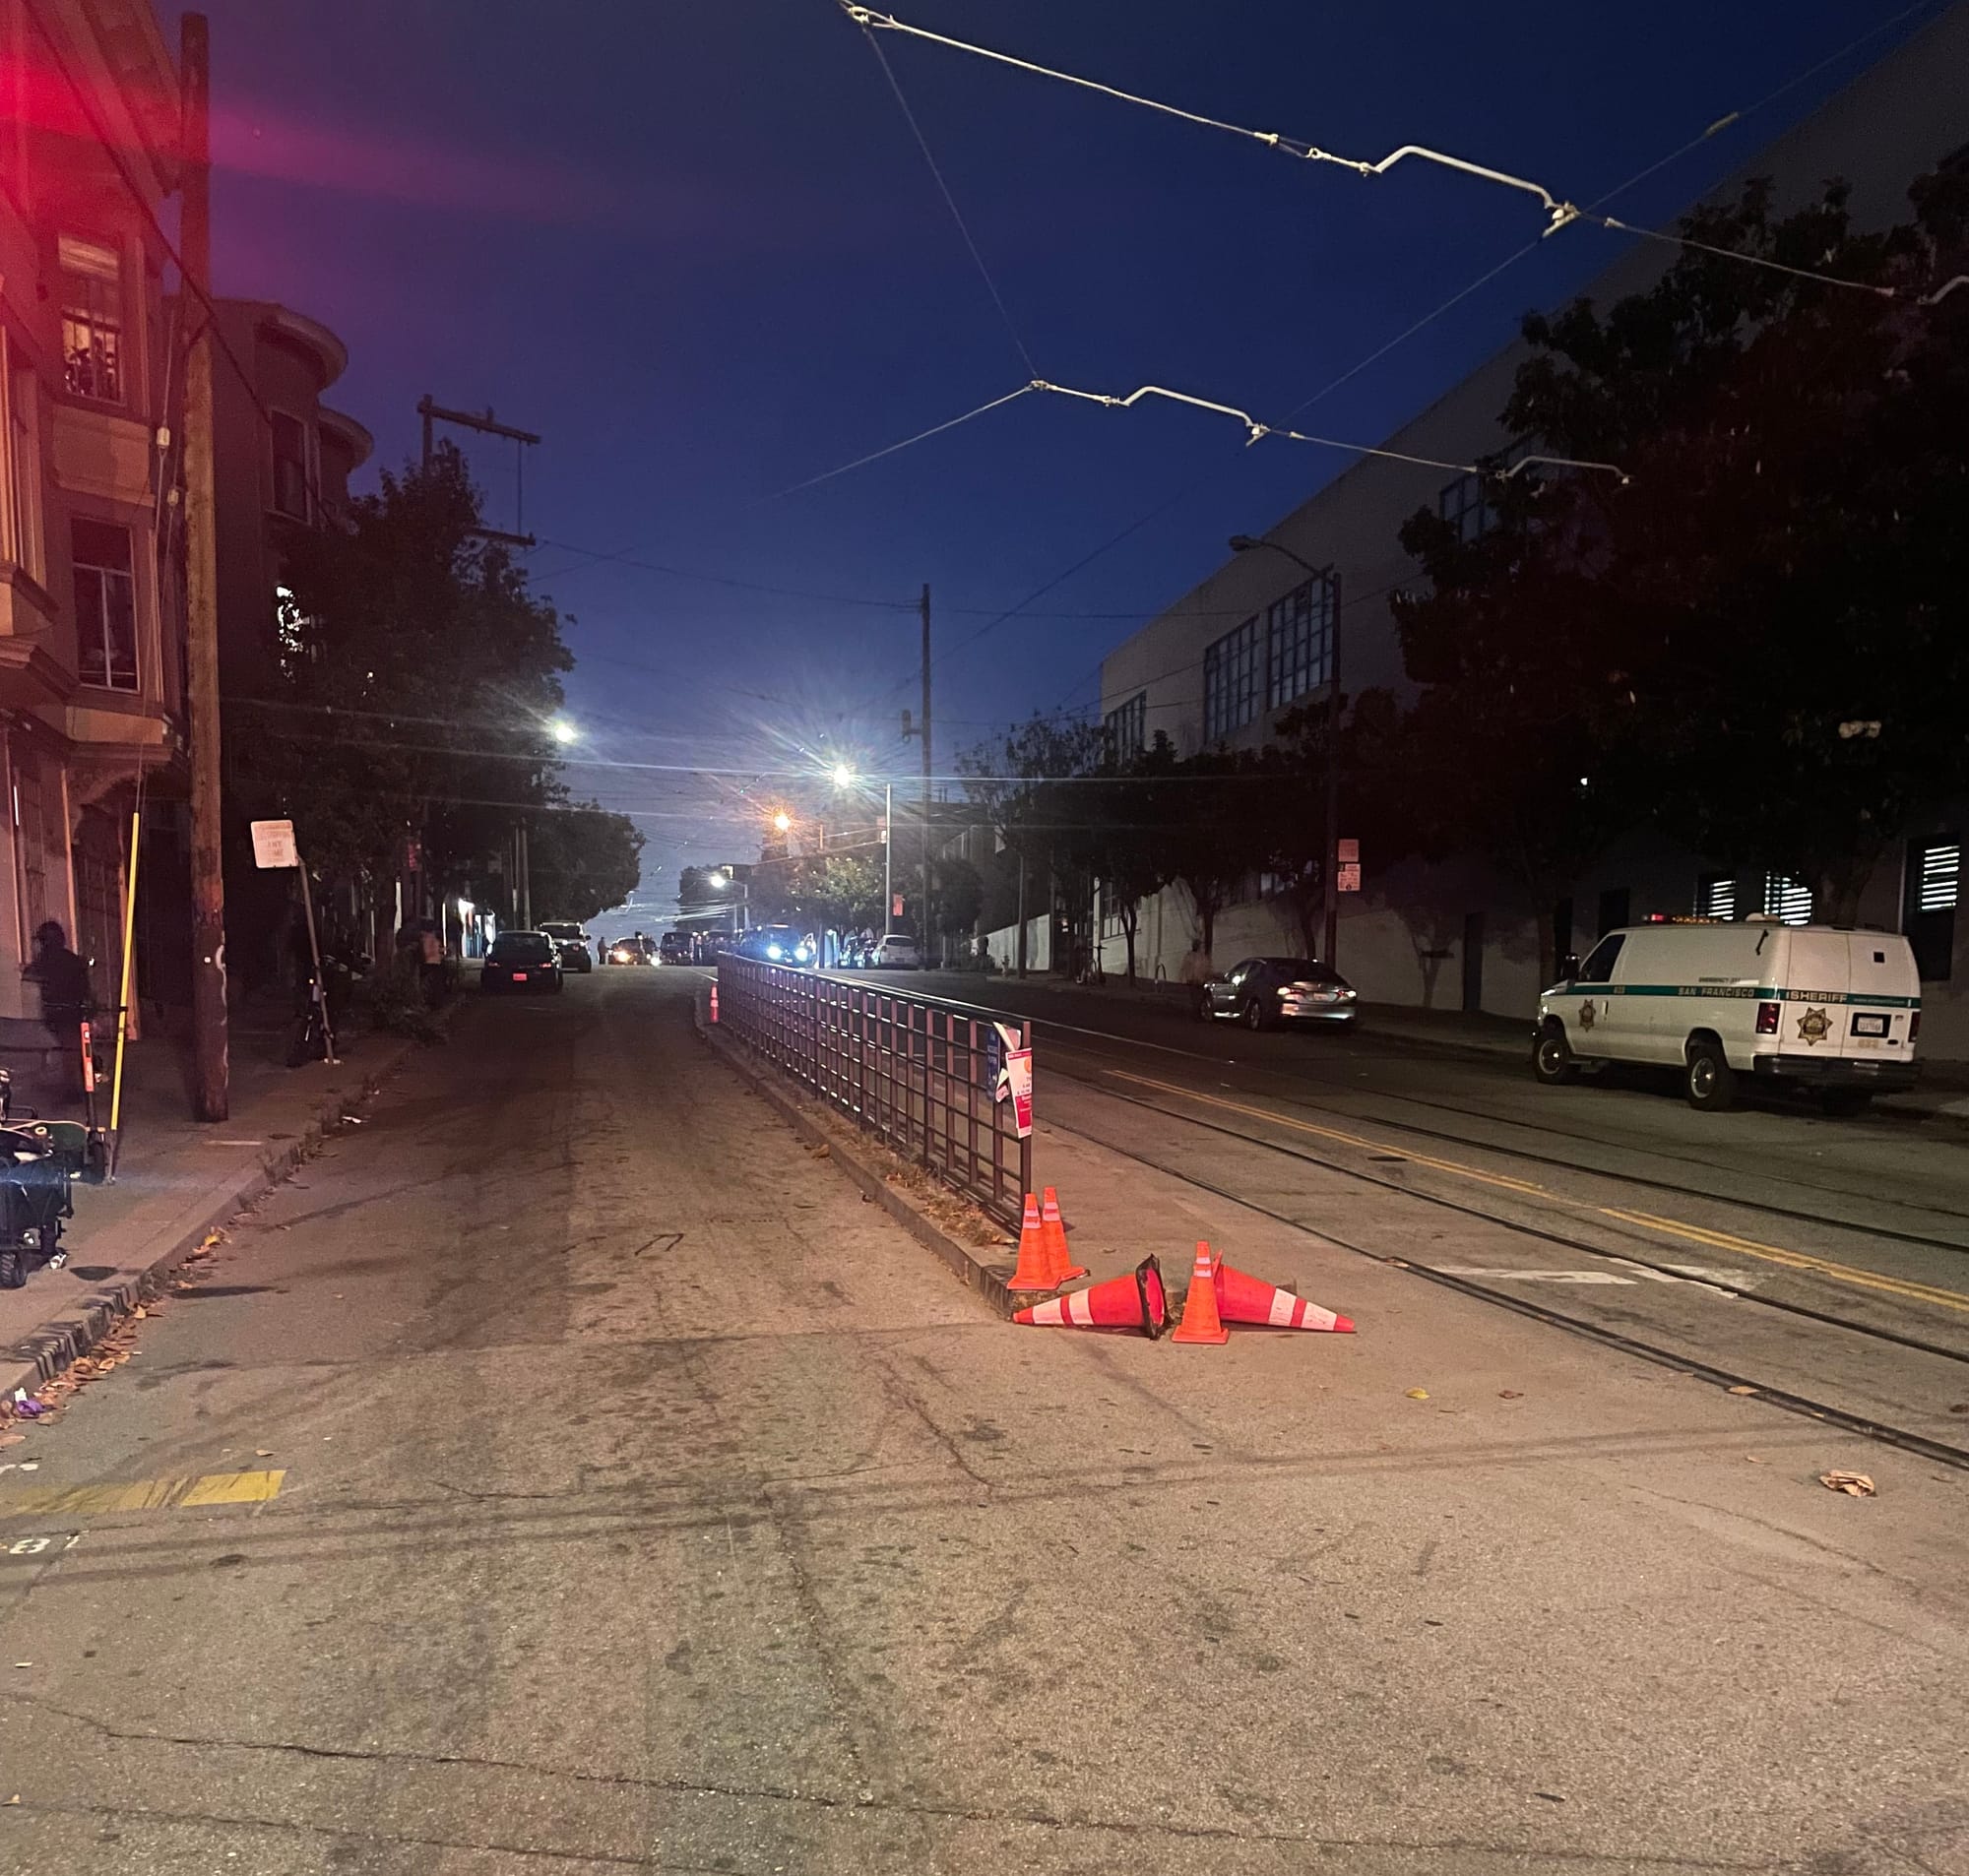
572	943
521	961
1264	992
674	947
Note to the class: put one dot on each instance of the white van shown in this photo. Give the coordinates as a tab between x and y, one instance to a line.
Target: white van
1817	1004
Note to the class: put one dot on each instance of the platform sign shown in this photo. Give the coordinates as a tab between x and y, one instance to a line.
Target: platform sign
274	844
1019	1073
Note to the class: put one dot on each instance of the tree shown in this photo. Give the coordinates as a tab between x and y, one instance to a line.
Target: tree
960	897
413	682
1695	646
1213	838
584	860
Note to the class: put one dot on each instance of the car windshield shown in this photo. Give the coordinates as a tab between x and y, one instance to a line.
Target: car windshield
522	947
562	931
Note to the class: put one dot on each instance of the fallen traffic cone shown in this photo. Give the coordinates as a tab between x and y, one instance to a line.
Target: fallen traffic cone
1035	1271
1134	1301
1060	1260
1242	1297
1199	1307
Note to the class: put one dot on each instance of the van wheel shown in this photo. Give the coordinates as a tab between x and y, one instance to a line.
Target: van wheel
1842	1103
1709	1082
1552	1057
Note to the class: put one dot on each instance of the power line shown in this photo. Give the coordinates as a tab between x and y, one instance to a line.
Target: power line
876	455
1559	213
950	201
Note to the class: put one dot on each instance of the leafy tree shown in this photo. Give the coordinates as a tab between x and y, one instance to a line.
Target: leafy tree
1214	838
1695	646
960	897
584	860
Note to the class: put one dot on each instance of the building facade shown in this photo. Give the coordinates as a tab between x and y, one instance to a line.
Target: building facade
92	629
1256	637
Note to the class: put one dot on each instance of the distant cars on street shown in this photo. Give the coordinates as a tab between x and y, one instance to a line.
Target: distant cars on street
633	949
572	943
1264	993
672	947
896	951
521	961
776	944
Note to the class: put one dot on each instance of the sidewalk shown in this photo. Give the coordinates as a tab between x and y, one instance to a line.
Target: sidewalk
176	1178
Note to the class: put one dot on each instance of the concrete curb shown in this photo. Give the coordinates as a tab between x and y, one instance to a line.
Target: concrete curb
965	1261
44	1352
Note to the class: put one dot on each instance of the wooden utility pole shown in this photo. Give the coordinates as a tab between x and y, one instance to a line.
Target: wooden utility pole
212	1087
928	766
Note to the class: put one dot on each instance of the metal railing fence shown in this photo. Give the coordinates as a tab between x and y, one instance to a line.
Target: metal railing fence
916	1072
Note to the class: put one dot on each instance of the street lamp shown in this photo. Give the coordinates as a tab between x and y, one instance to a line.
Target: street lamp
783	820
846	778
1330	868
563	732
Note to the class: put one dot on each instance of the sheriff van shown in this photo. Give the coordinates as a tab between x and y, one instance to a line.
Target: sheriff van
1819	1005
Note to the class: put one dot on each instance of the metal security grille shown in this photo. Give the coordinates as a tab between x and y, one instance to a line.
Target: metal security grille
916	1072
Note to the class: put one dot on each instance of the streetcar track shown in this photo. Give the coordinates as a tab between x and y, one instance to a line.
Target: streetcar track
1681	1363
1535	1157
1542	1234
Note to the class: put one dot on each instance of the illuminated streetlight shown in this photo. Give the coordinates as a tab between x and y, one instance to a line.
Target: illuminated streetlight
844	776
562	731
783	820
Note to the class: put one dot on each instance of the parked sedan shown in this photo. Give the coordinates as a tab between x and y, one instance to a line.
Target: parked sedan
521	961
1263	992
895	952
572	943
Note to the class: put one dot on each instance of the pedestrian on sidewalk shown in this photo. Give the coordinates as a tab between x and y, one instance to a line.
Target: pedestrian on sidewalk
66	997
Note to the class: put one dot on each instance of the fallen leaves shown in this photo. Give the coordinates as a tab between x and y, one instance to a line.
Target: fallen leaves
1509	1393
1741	1390
1853	1484
1418	1394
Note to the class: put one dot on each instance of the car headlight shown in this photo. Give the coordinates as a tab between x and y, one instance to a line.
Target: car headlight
774	952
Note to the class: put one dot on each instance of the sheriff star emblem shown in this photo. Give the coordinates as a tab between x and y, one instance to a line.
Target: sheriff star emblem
1814	1026
1586	1014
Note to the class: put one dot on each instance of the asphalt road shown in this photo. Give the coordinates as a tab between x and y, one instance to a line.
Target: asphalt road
587	1479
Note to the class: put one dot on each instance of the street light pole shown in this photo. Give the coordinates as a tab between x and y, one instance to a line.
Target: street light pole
1329	870
888	855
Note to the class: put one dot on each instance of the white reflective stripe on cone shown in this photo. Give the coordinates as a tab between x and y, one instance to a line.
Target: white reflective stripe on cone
1283	1303
1048	1315
1078	1311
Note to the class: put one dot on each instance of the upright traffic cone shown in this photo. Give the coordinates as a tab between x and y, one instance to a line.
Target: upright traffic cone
1064	1269
714	1002
1199	1308
1035	1271
1134	1301
1242	1297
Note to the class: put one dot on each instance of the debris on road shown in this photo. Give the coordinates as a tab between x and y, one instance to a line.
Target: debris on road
1740	1390
1853	1484
1418	1394
1510	1394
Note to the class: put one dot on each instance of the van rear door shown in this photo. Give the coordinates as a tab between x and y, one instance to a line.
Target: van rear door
1883	995
1813	1019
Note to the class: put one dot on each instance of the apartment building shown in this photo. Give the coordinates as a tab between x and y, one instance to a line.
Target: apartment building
1255	639
92	667
281	460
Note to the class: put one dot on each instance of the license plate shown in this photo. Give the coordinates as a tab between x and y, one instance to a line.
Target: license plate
1868	1023
518	976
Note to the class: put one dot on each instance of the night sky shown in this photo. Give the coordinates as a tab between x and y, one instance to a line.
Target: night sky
697	248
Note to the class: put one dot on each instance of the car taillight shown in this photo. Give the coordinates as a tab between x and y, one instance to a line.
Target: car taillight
1767	1018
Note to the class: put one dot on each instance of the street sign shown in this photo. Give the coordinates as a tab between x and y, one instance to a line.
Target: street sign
1348	853
1349	880
1003	1036
1019	1071
896	906
274	844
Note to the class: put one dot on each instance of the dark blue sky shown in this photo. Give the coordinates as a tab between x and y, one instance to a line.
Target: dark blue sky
696	247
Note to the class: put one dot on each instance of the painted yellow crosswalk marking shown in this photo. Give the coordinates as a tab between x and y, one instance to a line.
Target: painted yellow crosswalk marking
143	1494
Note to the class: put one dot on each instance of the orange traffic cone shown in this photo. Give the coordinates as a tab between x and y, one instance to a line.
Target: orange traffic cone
1134	1301
714	1002
1200	1321
1062	1263
1035	1271
1242	1297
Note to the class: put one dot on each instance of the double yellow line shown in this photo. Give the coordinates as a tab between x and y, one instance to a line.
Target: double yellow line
1645	1221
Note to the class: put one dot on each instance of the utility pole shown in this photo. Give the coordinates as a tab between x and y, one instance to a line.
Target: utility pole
212	1091
925	780
1331	871
524	440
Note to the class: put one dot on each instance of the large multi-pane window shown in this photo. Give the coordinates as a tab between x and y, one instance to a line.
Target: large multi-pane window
1464	505
1769	894
1231	680
1127	728
1299	633
293	467
1787	901
1933	894
105	606
91	285
21	458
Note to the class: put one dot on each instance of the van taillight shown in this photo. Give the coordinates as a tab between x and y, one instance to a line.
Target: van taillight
1767	1018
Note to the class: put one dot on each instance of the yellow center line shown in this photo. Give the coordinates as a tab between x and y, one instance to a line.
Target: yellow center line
1646	1221
143	1494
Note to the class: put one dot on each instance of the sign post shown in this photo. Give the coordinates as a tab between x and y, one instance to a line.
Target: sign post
273	847
1348	858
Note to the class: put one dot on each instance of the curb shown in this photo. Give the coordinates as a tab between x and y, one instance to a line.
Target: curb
965	1261
43	1352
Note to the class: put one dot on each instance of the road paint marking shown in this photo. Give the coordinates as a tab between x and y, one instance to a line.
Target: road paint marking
145	1494
1534	1277
1795	1260
1645	1221
1333	1133
40	1545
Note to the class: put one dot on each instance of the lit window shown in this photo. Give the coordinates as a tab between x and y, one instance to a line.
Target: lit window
91	282
1230	681
1787	901
1299	632
105	606
294	477
1127	728
1937	879
1715	897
